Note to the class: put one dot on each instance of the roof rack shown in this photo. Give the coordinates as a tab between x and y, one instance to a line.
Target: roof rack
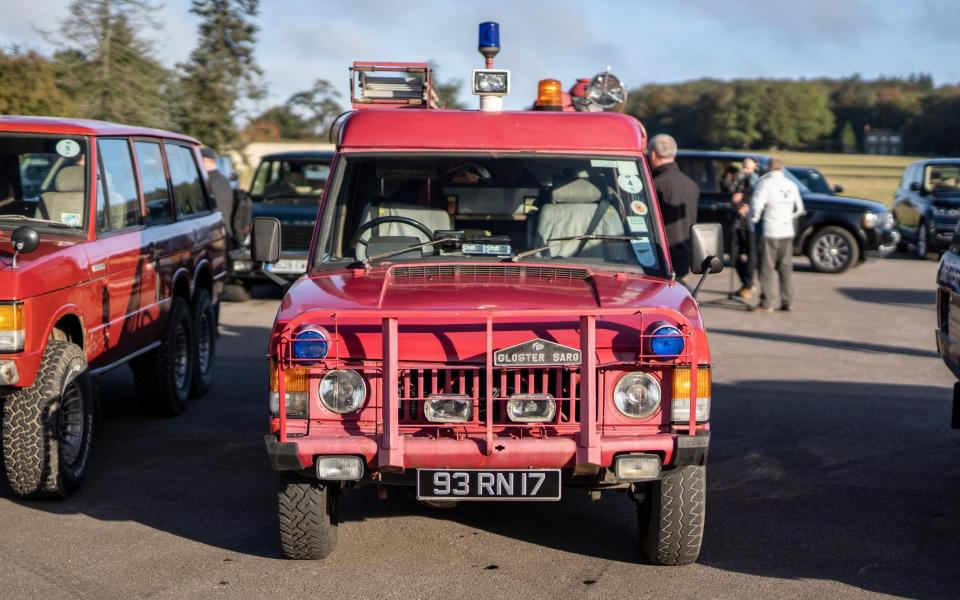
397	84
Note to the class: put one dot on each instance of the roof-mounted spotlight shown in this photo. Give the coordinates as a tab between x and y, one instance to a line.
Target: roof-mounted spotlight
489	83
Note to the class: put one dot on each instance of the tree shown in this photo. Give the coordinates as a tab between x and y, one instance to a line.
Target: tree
275	124
28	86
448	90
221	73
317	106
848	139
107	67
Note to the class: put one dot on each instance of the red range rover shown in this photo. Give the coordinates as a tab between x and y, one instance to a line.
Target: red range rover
489	314
111	253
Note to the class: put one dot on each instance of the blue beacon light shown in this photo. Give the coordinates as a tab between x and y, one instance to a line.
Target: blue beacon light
489	44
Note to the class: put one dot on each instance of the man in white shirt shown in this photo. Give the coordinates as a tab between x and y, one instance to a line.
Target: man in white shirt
777	203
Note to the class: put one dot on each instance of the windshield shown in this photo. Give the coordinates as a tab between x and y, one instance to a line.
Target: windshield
942	178
800	184
42	180
812	179
290	179
491	208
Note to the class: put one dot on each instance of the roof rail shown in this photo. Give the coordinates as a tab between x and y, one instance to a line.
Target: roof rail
397	84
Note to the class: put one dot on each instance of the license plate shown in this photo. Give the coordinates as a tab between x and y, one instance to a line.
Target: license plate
488	484
288	265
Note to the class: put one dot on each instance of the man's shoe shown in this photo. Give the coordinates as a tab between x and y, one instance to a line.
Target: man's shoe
761	309
745	293
786	307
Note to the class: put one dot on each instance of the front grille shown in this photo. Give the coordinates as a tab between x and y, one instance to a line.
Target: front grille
296	237
417	385
413	275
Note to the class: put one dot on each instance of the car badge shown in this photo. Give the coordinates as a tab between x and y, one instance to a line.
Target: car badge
536	353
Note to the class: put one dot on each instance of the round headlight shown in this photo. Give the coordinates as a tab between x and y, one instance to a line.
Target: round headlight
343	391
666	341
637	395
311	343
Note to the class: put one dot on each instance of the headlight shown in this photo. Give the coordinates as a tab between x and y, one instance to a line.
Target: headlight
343	392
448	408
310	343
531	408
491	82
295	388
870	220
888	220
12	332
665	341
637	395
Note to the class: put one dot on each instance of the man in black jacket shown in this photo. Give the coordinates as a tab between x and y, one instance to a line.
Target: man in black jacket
678	195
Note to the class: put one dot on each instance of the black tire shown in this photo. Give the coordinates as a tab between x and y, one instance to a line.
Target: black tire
235	292
306	514
832	249
672	517
922	247
164	377
205	341
48	428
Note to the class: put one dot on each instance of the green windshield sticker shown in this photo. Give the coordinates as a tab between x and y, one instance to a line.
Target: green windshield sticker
68	148
627	167
637	224
644	251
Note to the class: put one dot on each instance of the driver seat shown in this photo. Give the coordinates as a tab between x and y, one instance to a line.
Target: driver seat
434	219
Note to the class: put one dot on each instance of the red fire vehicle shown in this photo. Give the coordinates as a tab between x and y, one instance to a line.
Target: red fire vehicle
111	252
489	313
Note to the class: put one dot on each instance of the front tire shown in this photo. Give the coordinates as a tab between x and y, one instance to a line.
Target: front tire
306	513
48	428
205	337
833	249
672	516
163	377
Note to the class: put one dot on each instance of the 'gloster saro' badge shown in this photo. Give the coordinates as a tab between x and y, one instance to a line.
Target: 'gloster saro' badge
538	352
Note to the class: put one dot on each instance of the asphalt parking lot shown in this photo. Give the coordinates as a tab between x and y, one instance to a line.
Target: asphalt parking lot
833	474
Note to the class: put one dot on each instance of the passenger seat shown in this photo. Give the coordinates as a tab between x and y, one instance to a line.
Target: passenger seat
572	208
65	203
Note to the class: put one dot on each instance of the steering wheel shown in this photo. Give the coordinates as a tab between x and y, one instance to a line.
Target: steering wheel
355	241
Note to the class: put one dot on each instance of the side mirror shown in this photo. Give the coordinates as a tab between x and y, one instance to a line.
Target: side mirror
706	251
24	239
914	186
838	189
265	240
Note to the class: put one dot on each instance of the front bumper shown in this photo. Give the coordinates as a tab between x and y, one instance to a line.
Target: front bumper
560	452
881	242
19	370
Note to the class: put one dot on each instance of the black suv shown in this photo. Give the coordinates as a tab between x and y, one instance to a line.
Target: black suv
836	232
927	204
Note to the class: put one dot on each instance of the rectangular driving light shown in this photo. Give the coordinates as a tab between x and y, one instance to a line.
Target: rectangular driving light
448	408
491	82
339	468
637	467
12	333
531	408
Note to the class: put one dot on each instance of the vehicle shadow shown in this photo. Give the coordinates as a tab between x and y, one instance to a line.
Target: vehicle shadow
852	345
909	298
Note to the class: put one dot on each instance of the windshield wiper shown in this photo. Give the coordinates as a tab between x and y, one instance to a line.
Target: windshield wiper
553	241
369	259
35	220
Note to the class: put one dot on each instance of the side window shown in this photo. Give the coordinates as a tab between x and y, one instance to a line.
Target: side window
118	202
260	179
185	176
154	181
698	169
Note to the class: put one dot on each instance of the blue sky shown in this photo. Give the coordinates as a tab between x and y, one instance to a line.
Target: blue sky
644	42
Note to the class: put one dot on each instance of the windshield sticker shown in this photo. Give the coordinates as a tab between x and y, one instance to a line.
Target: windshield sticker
644	251
627	167
637	224
606	164
68	148
71	219
629	183
638	207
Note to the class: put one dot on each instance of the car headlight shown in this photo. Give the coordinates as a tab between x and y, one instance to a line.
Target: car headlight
448	408
870	220
343	391
310	344
637	394
12	332
531	408
665	340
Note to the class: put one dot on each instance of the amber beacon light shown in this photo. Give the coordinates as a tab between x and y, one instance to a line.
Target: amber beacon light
549	95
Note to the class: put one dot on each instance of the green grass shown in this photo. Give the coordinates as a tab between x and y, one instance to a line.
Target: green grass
861	175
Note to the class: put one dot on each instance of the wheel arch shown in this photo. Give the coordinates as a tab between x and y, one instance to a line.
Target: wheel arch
203	277
182	284
813	228
67	324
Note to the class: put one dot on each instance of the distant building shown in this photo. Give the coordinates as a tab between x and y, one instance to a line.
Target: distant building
882	141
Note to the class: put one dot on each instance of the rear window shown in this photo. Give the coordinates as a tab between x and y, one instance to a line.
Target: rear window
185	176
43	179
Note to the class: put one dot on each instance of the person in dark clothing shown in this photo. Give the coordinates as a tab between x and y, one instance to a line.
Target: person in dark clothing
219	187
745	250
678	196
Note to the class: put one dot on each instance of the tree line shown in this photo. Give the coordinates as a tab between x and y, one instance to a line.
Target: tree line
819	114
